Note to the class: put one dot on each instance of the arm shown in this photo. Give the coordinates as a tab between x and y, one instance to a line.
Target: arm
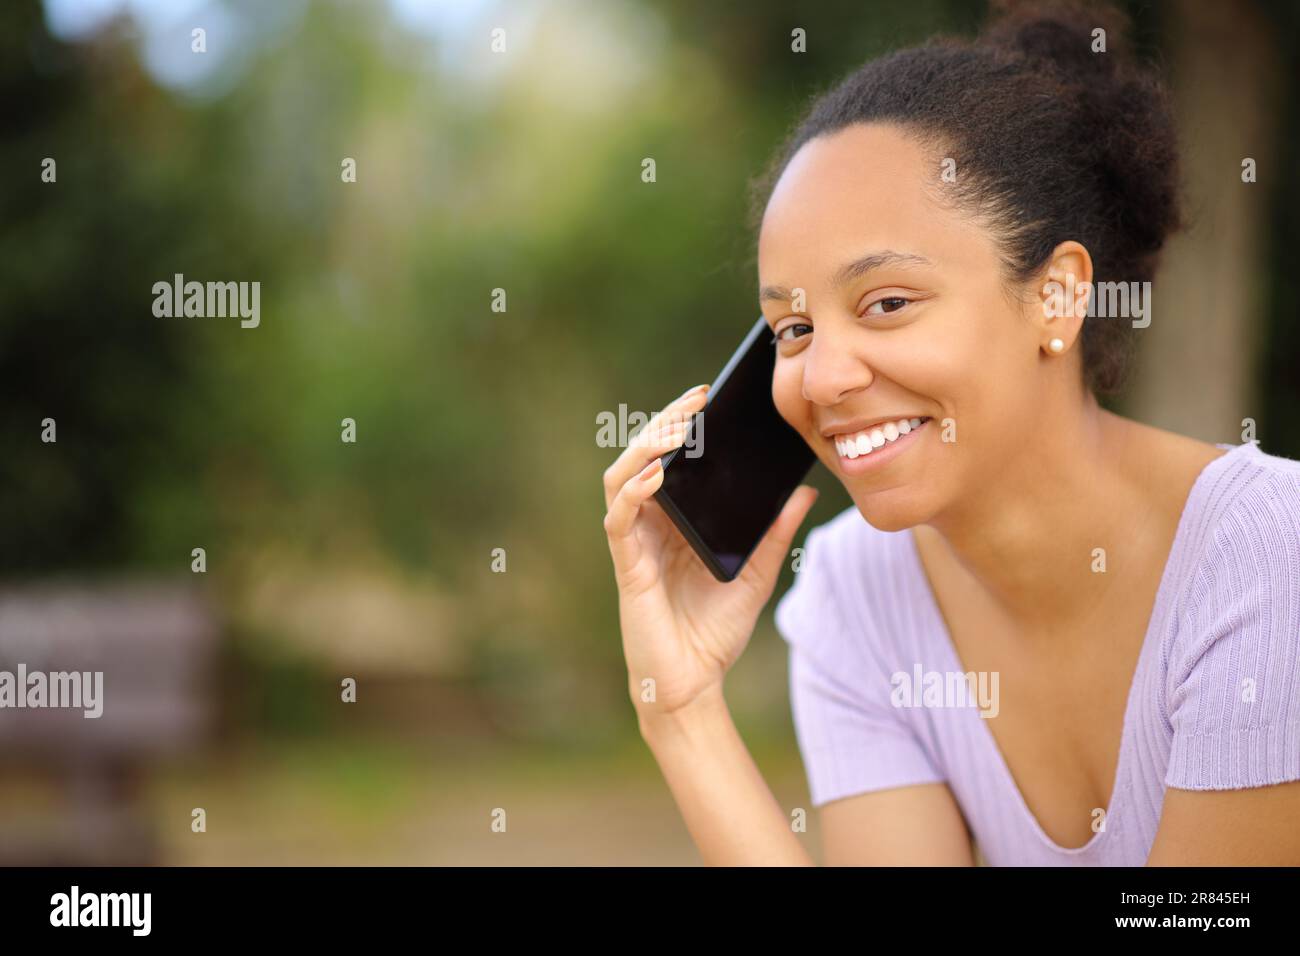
729	810
1259	826
906	826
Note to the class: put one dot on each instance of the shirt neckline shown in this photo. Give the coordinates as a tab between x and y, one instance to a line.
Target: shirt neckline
1172	561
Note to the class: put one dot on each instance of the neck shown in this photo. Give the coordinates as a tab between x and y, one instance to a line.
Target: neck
1030	543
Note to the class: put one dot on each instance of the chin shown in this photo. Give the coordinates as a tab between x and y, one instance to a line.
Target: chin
895	509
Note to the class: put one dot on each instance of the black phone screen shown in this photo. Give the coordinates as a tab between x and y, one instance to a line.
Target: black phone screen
741	462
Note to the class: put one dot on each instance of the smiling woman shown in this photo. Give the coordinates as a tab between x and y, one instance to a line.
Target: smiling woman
1134	594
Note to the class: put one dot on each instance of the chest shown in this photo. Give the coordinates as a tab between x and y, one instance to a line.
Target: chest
1059	728
1062	698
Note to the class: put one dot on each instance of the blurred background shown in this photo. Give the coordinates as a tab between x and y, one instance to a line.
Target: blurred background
476	688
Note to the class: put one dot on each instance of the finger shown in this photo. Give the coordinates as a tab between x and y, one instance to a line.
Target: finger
653	441
620	520
663	438
692	397
763	567
641	451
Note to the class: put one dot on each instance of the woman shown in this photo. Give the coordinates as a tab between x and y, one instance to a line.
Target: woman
1131	596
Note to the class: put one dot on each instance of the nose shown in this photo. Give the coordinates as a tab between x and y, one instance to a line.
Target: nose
832	369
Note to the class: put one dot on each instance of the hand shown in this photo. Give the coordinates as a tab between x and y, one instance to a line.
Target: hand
682	628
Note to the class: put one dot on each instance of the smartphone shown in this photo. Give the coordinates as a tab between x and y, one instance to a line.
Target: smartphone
740	462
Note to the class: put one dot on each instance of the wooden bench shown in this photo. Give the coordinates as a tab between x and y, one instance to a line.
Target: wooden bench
155	643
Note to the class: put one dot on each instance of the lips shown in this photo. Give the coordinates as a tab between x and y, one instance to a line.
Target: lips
864	441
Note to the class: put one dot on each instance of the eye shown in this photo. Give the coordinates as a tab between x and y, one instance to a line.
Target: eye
888	304
782	336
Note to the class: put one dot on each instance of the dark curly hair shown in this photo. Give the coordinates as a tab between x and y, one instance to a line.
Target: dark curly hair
1052	142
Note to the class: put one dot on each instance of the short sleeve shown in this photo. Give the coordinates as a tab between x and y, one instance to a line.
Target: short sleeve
1235	673
851	738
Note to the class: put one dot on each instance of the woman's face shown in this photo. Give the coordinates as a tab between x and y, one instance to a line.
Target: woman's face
904	317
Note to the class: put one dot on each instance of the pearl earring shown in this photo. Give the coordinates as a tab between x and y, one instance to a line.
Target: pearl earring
1056	345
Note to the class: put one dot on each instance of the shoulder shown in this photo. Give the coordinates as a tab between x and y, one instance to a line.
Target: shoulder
1242	538
1258	524
842	545
844	580
846	557
1233	674
1248	481
843	655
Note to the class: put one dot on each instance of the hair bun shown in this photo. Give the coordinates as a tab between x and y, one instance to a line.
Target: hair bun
1062	34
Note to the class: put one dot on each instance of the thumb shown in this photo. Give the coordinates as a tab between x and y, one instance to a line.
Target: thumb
765	563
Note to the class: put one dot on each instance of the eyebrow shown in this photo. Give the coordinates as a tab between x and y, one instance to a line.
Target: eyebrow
849	271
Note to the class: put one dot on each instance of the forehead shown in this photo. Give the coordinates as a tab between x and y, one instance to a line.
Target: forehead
862	187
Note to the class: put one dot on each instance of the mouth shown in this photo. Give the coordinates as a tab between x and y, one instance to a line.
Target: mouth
874	445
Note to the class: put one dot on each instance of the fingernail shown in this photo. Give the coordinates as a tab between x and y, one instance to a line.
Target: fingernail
649	470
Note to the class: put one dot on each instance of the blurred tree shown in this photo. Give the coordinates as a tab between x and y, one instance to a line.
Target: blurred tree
76	259
1199	367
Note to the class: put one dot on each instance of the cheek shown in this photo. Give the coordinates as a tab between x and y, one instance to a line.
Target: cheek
977	370
973	351
938	361
787	393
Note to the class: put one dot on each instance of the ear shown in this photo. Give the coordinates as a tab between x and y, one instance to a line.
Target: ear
1063	294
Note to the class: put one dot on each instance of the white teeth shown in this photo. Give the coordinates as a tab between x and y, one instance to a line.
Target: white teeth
863	443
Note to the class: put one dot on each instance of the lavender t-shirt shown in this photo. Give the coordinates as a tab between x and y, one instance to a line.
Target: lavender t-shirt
1214	703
